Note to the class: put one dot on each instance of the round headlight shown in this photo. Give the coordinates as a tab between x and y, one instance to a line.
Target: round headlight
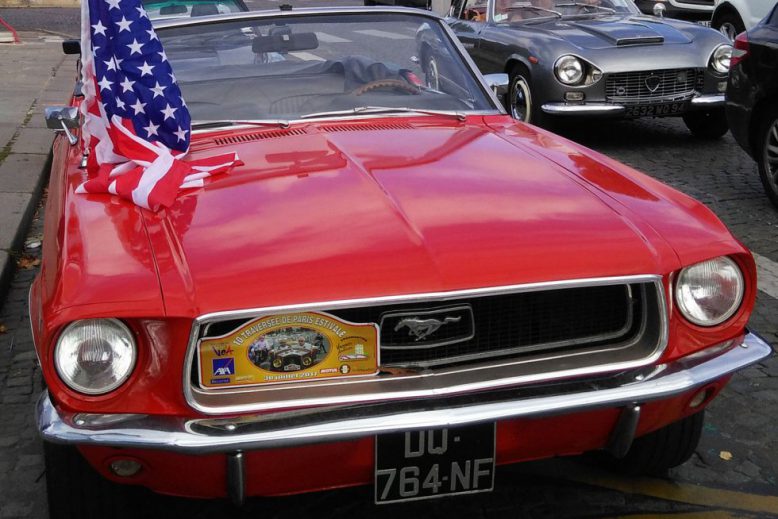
95	356
719	60
569	70
708	293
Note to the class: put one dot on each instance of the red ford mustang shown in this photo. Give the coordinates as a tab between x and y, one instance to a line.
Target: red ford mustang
402	287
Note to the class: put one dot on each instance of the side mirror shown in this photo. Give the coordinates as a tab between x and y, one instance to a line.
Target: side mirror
498	83
63	118
71	47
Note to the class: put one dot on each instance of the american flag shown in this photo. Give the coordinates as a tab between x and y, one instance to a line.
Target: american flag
136	124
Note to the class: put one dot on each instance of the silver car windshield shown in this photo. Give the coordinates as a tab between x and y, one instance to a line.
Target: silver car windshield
517	11
290	67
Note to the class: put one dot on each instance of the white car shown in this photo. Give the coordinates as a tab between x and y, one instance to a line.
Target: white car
731	17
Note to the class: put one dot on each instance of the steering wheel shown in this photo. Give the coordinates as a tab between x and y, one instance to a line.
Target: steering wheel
395	84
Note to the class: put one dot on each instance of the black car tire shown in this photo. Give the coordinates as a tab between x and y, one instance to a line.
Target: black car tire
77	491
665	448
729	24
707	124
519	101
767	137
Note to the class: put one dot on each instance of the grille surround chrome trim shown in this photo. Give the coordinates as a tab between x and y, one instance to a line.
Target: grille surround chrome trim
421	383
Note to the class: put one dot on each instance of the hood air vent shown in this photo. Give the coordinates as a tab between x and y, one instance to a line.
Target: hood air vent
359	127
257	136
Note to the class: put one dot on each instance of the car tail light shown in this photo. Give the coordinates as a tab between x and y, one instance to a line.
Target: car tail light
740	52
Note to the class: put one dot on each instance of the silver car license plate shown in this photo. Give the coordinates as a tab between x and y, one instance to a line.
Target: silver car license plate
655	109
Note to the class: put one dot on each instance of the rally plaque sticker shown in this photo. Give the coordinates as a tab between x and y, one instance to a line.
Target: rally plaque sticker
289	347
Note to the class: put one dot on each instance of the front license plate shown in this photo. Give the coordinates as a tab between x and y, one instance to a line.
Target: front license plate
658	109
434	463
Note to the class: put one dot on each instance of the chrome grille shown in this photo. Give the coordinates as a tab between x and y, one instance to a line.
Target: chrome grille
513	324
503	325
652	85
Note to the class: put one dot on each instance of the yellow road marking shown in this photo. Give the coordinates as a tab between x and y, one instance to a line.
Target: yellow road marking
663	489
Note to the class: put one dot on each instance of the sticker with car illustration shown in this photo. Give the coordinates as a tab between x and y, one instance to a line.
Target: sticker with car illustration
288	348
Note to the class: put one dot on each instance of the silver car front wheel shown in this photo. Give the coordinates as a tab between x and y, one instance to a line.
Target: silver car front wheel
520	99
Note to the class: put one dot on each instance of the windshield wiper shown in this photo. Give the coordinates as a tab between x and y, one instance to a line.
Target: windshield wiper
382	110
280	123
581	4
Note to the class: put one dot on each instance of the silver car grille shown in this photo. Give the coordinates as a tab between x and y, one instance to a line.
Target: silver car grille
651	86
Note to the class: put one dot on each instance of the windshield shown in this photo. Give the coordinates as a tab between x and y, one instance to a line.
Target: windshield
510	11
160	10
292	67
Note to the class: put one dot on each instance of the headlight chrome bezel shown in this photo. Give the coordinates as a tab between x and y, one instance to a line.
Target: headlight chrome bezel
129	360
720	59
569	58
588	74
681	291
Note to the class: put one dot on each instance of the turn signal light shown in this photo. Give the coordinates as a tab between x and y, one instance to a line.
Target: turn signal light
740	52
125	468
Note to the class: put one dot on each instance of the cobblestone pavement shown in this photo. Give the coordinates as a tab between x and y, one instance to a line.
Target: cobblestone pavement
733	473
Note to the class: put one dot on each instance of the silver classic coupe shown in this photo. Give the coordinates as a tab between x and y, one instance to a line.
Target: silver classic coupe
583	58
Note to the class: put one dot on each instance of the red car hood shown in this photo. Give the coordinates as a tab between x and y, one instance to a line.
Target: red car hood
366	209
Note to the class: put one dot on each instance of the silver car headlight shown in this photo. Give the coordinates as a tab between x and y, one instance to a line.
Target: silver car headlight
719	60
710	292
95	356
569	70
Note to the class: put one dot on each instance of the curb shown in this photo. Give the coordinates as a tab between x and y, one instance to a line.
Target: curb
8	258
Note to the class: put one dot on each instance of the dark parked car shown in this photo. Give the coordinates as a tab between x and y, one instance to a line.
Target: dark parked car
752	98
597	58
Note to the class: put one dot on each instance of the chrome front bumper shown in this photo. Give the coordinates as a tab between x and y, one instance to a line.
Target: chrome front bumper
330	424
707	101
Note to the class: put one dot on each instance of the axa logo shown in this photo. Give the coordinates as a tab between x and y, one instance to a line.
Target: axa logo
224	366
222	352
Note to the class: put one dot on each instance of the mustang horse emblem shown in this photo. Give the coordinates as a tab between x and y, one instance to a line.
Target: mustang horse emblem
421	328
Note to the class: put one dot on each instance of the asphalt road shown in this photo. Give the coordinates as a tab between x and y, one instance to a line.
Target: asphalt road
734	471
